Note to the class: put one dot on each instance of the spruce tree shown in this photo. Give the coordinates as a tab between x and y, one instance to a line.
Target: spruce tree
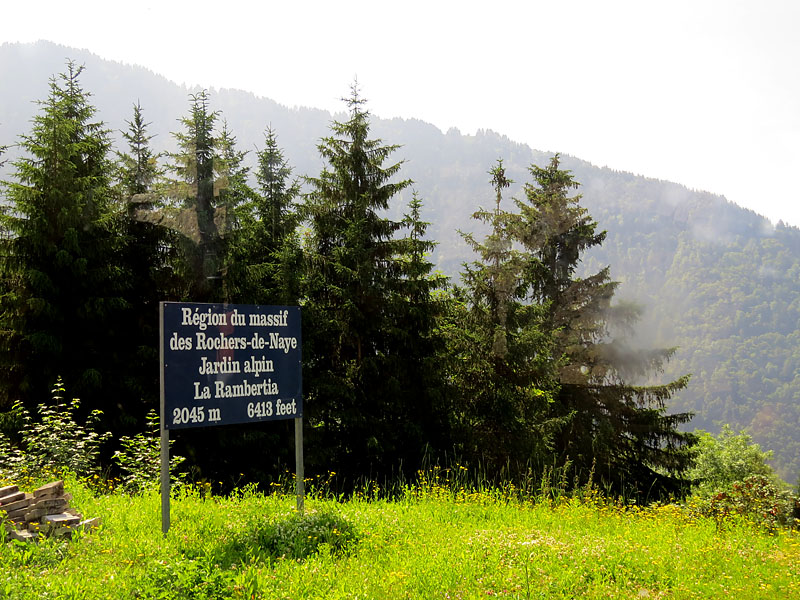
149	256
499	351
62	304
266	259
416	314
615	431
232	197
207	195
138	171
353	387
194	191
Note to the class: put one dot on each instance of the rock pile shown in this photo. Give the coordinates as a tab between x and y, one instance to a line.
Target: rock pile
45	511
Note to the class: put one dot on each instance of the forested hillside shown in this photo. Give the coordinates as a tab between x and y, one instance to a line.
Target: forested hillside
717	281
721	283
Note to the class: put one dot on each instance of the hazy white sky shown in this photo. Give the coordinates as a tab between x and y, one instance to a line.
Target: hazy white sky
702	92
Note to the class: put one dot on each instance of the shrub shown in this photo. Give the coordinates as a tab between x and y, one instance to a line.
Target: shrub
732	478
757	498
55	443
728	458
139	461
300	536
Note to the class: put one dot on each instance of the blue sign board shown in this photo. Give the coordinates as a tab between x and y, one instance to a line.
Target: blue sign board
230	363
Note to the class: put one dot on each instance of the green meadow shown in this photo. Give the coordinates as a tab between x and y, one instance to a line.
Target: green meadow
432	540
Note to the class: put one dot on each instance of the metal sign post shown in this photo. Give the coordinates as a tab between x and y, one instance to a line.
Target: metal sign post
165	479
300	484
224	364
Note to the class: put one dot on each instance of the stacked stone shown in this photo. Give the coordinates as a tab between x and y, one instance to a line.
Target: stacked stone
44	511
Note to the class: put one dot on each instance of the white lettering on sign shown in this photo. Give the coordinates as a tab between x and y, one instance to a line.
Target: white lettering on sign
244	389
277	342
201	320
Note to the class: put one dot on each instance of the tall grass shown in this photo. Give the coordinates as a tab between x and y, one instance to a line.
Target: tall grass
445	536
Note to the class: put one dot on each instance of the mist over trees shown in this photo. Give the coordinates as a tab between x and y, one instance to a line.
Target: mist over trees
717	282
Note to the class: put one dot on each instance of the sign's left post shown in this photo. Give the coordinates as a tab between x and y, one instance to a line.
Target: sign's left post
165	478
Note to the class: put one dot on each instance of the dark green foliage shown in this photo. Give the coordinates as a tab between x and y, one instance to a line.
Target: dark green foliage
139	170
149	255
55	443
209	197
622	437
195	194
416	314
614	431
499	354
233	194
139	460
265	257
555	231
63	293
298	536
358	291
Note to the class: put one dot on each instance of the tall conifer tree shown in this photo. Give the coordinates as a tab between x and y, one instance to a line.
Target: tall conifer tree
63	300
138	169
416	315
208	192
266	261
233	195
499	351
149	256
615	431
353	385
194	190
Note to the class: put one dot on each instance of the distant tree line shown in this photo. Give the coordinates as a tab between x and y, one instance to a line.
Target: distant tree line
520	368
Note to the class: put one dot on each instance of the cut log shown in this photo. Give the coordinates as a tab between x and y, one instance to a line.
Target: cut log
58	524
61	519
18	515
51	505
35	514
18	504
45	511
52	489
11	498
23	536
9	489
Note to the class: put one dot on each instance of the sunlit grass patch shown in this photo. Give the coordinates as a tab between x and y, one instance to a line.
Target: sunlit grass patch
436	541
